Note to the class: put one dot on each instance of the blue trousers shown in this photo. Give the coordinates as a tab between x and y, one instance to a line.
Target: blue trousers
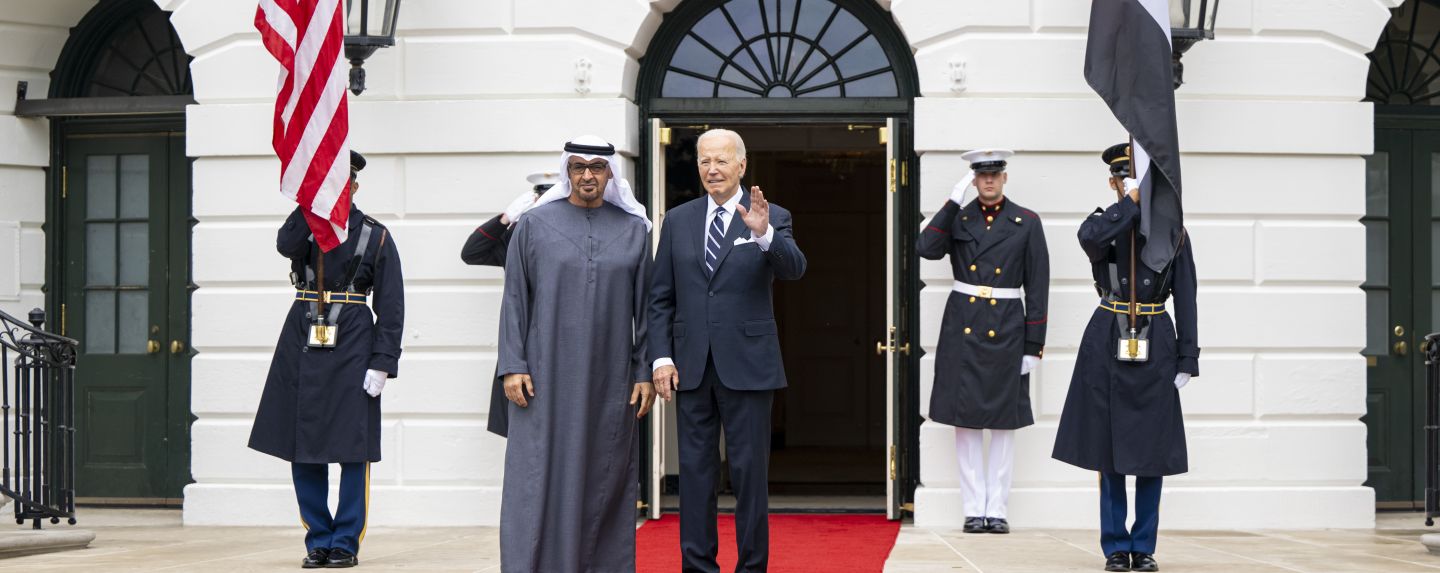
744	417
346	529
1140	538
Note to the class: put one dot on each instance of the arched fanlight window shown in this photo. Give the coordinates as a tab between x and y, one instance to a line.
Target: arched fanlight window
780	49
1405	65
123	48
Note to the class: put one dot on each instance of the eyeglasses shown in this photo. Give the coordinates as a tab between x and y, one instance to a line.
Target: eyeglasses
581	168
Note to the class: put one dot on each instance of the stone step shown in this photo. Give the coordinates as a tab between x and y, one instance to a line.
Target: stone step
17	542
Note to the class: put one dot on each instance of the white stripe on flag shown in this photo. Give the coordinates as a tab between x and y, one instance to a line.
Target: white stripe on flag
1139	163
1160	11
309	50
313	136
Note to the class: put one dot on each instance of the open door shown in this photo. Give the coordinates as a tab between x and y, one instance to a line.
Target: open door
896	344
659	137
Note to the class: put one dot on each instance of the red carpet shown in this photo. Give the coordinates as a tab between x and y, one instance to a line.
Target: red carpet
798	544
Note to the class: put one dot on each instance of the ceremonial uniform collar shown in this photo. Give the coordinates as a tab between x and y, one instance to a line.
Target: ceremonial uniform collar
991	210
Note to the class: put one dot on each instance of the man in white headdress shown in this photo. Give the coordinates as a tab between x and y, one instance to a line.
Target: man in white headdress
572	349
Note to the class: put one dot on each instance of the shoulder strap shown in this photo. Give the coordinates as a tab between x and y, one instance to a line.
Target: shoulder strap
366	229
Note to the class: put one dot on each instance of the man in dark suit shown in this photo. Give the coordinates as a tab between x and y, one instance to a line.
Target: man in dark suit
711	321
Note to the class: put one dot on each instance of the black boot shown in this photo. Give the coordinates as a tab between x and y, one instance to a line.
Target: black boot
1143	562
340	558
975	525
998	525
316	559
1118	561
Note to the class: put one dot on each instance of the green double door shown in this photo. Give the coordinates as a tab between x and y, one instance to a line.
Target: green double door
125	220
1402	292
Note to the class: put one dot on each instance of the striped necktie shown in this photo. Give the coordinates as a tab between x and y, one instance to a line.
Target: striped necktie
712	242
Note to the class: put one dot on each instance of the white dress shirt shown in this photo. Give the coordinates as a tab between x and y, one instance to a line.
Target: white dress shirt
763	241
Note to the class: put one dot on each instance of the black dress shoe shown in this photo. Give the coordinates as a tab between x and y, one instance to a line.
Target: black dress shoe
998	525
975	525
1118	561
316	559
340	559
1143	562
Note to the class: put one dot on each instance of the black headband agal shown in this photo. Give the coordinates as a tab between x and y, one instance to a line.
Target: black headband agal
582	149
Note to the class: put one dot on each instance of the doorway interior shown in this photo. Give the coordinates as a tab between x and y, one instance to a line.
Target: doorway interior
828	435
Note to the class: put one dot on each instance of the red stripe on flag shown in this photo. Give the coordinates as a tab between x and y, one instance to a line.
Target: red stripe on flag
322	150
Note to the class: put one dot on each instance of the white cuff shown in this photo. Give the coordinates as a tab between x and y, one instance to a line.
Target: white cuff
662	362
764	240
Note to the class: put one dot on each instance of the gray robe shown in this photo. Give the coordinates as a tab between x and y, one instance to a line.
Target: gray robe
573	320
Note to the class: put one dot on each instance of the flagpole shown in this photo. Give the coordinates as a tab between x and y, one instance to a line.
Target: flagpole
1134	306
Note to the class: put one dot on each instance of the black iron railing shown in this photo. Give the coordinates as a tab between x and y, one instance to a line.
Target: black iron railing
37	416
1431	348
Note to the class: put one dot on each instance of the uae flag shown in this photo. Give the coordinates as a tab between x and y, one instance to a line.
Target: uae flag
1128	62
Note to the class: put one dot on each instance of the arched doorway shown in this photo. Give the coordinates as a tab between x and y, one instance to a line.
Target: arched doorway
1402	286
823	93
119	220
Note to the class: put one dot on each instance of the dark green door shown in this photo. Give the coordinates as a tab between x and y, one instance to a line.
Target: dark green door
1402	179
126	242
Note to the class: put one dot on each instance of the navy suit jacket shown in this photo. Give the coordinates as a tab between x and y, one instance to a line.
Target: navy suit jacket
729	315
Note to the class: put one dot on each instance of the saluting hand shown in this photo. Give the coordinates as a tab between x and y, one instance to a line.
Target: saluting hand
667	380
516	385
757	217
644	393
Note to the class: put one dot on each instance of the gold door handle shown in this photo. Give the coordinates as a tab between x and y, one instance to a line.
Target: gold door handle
905	349
176	347
152	347
1401	348
889	344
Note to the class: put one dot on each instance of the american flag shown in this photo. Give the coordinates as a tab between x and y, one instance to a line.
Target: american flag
312	122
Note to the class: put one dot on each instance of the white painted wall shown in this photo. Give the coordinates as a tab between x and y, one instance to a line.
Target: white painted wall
31	36
476	95
1272	129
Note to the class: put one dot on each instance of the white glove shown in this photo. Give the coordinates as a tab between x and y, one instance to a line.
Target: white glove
957	193
1181	380
1131	184
519	206
1028	364
374	382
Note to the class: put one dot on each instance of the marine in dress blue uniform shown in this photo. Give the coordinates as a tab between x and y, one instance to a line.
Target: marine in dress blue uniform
321	403
1122	415
993	331
486	247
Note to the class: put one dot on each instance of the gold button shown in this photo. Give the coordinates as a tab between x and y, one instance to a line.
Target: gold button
967	330
972	267
993	302
997	270
990	219
1017	219
972	299
992	334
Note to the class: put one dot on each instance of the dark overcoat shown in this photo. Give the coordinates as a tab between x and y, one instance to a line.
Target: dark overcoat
486	246
1125	417
314	408
982	341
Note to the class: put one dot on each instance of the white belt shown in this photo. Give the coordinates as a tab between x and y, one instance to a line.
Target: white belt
985	291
